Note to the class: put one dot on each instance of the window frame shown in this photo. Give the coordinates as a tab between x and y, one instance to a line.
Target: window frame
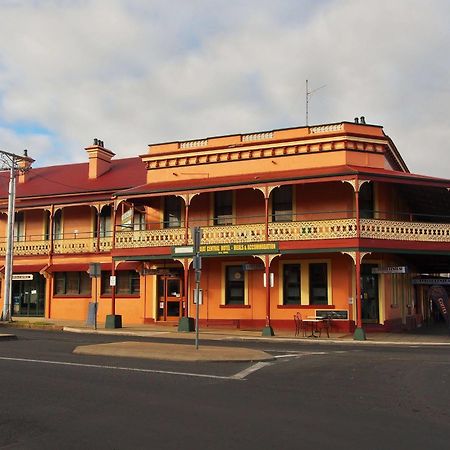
176	212
133	277
65	280
224	302
222	211
279	210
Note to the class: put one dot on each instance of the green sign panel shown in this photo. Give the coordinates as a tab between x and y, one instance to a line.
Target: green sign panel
250	248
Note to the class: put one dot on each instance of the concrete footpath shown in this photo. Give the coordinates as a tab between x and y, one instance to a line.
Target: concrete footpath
436	336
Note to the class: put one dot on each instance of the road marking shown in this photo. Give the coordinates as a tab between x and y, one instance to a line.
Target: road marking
243	373
128	369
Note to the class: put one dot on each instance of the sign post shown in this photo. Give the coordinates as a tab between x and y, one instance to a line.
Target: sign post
197	263
94	272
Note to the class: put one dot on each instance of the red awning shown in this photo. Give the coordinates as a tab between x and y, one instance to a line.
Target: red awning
68	268
74	267
26	268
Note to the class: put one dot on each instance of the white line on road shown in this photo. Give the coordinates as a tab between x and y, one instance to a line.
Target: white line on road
243	373
129	369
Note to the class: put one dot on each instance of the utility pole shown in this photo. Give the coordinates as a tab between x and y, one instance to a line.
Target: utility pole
11	162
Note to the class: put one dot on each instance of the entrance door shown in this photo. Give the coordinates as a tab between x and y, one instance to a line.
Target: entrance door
170	297
28	296
369	292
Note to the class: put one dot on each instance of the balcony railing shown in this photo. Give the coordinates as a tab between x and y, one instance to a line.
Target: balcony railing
405	231
337	226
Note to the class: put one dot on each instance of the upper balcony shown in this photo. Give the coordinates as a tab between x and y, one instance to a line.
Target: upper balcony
326	225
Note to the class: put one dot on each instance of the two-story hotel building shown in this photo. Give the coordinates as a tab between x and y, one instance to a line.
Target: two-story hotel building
318	220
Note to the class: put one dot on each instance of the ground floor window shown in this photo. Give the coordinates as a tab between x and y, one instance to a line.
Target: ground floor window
72	283
318	284
127	282
291	284
234	285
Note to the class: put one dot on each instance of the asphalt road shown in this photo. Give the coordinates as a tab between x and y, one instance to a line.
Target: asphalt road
314	396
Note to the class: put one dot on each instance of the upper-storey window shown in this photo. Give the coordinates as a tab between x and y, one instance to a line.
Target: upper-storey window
19	226
223	208
57	225
172	212
139	220
105	221
282	204
366	201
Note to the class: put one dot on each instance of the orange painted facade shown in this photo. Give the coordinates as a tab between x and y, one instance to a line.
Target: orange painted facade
323	206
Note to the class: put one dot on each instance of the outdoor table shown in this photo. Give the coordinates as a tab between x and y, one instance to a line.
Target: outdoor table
313	322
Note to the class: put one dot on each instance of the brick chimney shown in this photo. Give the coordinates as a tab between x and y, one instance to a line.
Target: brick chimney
99	159
24	166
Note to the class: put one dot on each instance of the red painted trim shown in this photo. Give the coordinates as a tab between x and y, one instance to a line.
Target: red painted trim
144	251
235	306
316	244
306	307
406	245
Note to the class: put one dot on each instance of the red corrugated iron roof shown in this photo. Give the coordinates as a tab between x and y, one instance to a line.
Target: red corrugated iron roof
338	172
73	179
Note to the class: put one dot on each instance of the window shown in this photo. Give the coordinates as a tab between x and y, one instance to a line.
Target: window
127	282
282	204
72	283
234	285
291	284
19	226
46	225
57	225
139	221
223	208
172	212
366	201
105	221
318	284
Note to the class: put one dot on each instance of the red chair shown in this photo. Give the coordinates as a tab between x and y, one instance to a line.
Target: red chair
299	324
326	325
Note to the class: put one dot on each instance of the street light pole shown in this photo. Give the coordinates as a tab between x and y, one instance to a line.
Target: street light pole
11	162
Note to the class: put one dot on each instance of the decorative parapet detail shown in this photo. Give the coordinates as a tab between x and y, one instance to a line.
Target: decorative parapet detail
405	231
78	245
326	128
194	144
105	244
233	234
312	230
27	248
257	136
150	238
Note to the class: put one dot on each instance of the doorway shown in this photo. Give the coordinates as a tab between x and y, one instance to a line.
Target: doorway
170	297
369	293
28	296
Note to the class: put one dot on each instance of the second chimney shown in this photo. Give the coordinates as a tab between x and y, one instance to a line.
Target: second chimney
24	165
99	159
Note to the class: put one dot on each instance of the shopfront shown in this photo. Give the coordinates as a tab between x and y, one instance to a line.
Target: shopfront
28	294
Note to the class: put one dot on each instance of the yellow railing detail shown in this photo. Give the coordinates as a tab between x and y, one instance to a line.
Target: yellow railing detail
150	238
312	230
278	231
405	231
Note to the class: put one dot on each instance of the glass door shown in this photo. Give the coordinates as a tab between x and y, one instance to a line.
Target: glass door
369	293
170	297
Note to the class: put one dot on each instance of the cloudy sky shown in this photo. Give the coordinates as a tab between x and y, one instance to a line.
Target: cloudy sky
134	72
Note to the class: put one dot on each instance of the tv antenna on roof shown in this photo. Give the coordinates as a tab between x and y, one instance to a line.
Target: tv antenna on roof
308	94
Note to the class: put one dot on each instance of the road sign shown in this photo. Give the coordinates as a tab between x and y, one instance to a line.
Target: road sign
94	270
22	276
386	270
247	267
